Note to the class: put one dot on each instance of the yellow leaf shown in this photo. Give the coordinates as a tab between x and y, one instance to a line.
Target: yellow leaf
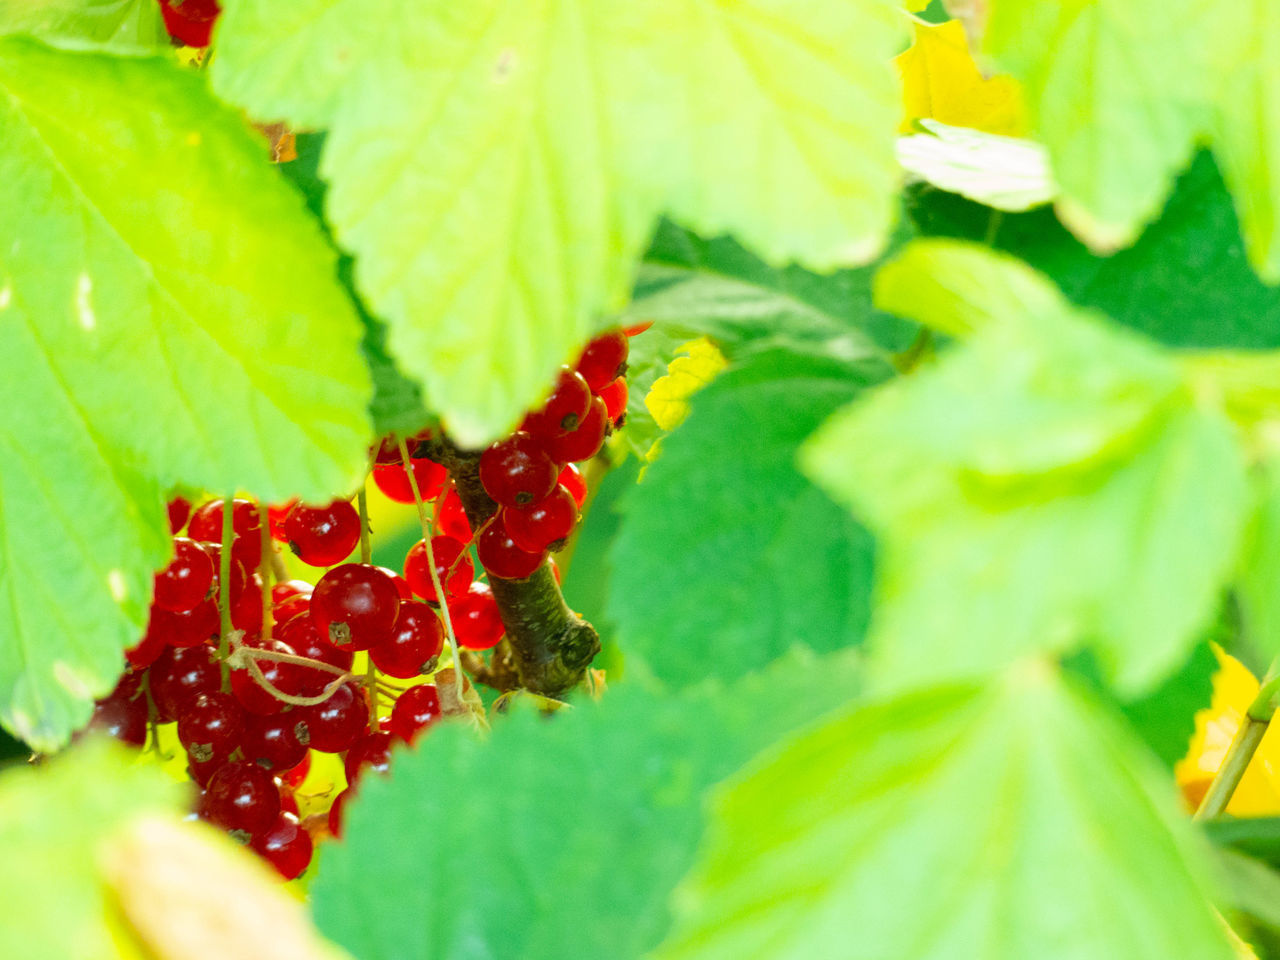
668	398
941	81
1258	794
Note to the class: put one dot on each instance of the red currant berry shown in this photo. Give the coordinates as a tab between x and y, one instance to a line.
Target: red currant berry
614	396
286	846
123	713
388	451
285	589
190	22
288	802
187	578
179	676
206	524
291	608
179	512
451	518
323	536
517	470
285	677
414	643
336	724
502	557
544	525
201	774
246	613
453	567
476	620
303	637
272	742
572	480
604	359
147	650
393	480
242	796
402	585
637	329
564	408
211	726
276	515
294	776
239	577
335	813
372	752
415	710
355	605
585	442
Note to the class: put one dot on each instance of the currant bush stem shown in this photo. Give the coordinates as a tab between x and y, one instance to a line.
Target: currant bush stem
1244	745
431	566
362	502
551	646
224	590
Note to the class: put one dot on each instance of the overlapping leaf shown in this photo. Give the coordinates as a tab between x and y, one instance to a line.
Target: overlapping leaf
121	25
727	555
557	836
497	168
1049	483
1015	820
155	332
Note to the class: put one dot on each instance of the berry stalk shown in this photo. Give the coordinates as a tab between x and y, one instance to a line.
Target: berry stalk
552	645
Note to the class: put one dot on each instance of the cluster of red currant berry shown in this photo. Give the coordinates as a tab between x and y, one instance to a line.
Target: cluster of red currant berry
252	694
531	474
190	22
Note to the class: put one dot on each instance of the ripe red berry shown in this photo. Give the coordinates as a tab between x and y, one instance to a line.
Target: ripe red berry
415	710
123	713
453	567
476	620
413	644
636	329
291	608
388	450
179	676
451	518
190	22
285	845
335	813
517	470
604	359
502	557
285	589
564	408
323	536
187	578
355	605
371	752
336	724
272	742
147	650
276	515
179	512
294	776
303	636
402	585
242	796
211	726
246	612
206	524
585	442
614	396
393	480
572	480
544	525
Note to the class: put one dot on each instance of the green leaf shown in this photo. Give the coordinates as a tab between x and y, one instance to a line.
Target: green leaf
1257	837
1043	486
1252	888
163	336
555	837
497	177
54	820
1186	282
1008	173
691	287
128	26
1015	820
727	555
1258	580
1117	94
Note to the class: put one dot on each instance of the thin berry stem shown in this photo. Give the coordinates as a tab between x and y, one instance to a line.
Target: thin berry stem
431	566
1257	718
224	590
366	556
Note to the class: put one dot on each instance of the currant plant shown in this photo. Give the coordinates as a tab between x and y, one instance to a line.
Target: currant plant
681	479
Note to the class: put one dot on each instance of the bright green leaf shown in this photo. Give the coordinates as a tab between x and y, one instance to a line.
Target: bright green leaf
958	289
1258	582
117	25
53	821
555	837
1007	173
156	334
1116	89
496	169
1016	820
727	555
1043	486
1186	282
